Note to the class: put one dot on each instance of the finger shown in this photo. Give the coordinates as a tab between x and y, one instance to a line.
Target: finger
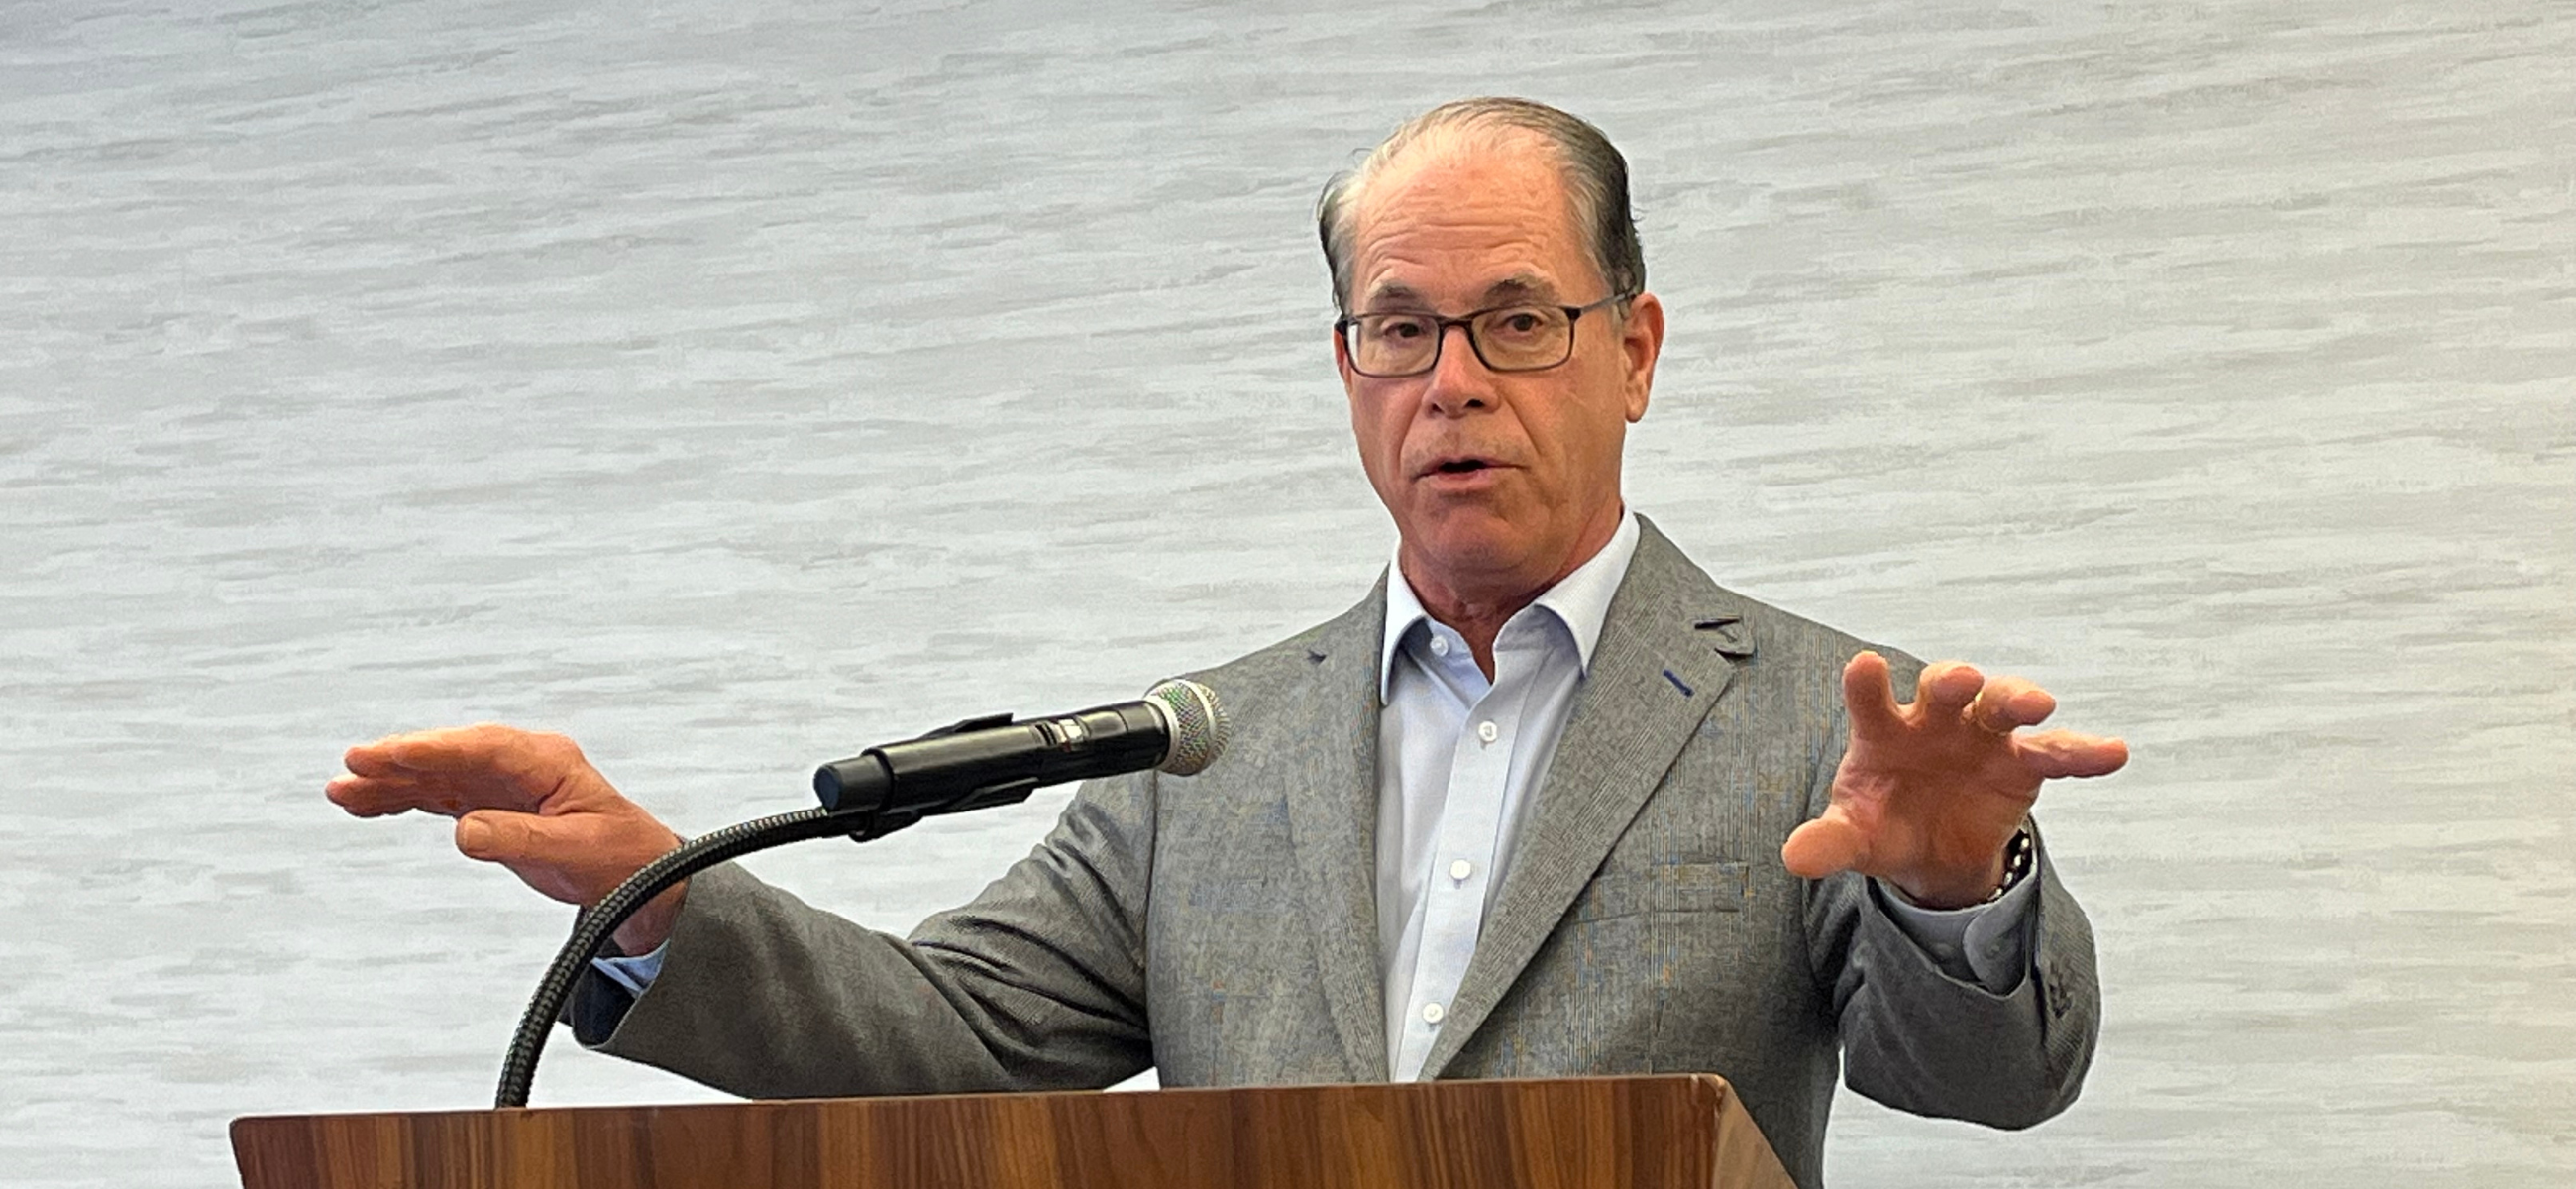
2054	754
502	836
1942	694
2010	703
483	747
377	796
1823	847
440	749
486	764
364	797
1868	696
374	759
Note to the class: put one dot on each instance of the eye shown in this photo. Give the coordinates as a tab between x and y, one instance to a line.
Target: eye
1398	327
1520	322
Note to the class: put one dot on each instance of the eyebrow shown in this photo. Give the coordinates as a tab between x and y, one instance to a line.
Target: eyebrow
1400	296
1517	287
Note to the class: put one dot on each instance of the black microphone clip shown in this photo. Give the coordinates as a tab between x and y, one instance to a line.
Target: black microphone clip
998	760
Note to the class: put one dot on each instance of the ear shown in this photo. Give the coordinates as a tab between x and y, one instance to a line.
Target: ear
1641	339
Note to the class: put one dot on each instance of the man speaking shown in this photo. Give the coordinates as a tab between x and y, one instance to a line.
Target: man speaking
1548	801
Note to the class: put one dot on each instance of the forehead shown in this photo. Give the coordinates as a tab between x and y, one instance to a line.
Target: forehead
1465	220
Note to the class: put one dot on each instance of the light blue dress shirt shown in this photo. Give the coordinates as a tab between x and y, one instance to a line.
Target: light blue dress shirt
1458	756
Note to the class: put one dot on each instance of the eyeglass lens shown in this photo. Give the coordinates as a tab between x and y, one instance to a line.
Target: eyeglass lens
1518	338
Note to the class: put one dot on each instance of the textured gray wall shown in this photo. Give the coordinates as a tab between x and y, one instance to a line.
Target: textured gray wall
731	385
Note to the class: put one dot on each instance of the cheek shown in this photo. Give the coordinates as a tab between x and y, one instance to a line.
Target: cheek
1380	438
1589	435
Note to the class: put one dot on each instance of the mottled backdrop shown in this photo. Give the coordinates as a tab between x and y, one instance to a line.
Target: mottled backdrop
731	385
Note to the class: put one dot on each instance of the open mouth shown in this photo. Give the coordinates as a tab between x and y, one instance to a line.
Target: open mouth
1460	466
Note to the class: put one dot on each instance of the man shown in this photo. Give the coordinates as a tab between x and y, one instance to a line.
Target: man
1509	816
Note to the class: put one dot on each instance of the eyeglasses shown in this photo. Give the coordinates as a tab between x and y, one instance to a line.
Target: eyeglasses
1513	338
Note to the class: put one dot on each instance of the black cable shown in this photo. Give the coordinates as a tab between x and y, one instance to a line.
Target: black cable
519	1069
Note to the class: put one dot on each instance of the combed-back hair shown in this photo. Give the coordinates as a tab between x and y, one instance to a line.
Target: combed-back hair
1596	179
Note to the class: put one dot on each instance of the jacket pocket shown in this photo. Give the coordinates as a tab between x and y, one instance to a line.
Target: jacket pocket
1665	887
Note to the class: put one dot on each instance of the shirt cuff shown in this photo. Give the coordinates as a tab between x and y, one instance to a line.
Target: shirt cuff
633	973
1986	944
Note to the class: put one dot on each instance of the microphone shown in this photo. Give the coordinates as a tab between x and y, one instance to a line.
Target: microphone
1177	727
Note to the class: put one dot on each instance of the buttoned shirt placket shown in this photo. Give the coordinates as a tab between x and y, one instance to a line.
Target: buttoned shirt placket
1465	863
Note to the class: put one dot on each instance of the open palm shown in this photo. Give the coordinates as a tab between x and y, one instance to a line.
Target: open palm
1930	792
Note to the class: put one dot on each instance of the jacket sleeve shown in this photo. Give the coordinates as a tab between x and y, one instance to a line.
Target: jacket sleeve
1920	1040
1038	983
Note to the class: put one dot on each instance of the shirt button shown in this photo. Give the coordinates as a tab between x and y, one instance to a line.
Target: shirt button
1440	646
1461	869
1431	1013
1488	731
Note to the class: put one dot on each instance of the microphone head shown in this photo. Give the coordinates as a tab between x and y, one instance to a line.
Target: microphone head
1197	725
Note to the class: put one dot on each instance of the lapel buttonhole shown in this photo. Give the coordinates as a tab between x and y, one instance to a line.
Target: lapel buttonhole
1727	636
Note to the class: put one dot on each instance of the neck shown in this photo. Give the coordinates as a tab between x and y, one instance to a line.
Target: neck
1478	605
1478	617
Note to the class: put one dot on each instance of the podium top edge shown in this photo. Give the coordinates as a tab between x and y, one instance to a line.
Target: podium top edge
1714	1088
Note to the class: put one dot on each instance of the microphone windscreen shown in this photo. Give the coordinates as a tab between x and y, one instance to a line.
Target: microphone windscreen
1197	722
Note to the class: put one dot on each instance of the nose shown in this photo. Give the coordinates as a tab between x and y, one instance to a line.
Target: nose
1459	380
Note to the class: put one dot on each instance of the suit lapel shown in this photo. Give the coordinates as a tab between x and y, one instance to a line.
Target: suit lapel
1667	652
1332	811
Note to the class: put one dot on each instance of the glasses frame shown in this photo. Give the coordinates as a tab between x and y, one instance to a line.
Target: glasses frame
1466	322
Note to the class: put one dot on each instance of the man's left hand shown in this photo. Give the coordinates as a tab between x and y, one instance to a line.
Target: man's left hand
1930	793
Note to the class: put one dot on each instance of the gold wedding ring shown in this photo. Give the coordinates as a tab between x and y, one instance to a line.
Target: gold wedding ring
1978	720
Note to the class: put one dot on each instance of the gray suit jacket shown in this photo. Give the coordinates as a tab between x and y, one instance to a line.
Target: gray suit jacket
1222	927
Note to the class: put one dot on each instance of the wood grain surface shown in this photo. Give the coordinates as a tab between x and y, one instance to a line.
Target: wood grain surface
1592	1133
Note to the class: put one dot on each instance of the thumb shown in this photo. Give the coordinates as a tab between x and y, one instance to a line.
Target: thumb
503	836
1825	846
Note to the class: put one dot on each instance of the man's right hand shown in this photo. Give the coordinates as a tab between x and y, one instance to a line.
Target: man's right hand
530	802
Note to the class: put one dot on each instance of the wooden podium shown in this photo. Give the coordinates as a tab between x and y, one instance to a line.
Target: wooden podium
1593	1133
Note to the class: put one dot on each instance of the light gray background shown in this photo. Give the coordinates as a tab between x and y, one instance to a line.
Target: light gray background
732	385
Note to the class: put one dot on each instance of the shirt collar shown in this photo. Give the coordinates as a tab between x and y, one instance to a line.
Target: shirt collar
1581	600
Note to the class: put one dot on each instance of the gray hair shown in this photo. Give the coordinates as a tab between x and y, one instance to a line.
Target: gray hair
1596	179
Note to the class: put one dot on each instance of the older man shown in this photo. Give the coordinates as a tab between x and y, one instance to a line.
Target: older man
1512	815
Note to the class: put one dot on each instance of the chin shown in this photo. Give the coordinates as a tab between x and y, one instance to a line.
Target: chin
1489	549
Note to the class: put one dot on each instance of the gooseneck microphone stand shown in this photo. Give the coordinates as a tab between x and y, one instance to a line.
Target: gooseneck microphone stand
592	930
856	792
1177	728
